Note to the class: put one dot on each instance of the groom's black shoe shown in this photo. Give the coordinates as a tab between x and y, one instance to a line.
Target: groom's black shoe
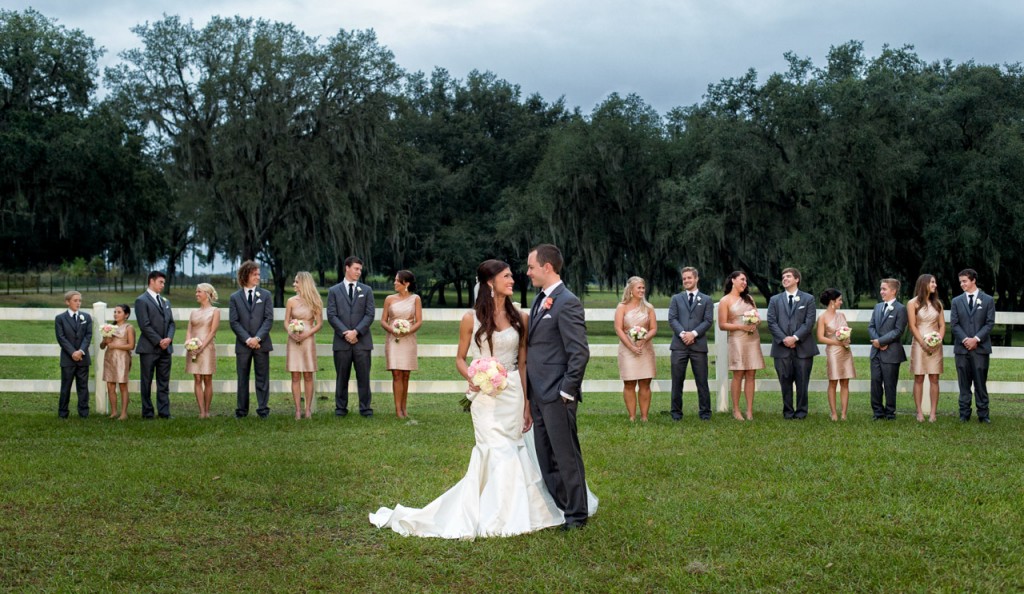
570	526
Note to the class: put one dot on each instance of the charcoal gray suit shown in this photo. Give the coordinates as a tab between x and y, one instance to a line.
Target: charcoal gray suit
346	313
972	366
698	317
73	335
557	356
793	366
887	327
248	321
156	322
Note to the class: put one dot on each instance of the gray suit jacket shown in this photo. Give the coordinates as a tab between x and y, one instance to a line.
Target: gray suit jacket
557	349
968	324
155	324
247	323
356	314
698	319
73	336
887	328
800	324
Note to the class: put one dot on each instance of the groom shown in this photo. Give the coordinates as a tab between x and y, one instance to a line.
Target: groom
557	355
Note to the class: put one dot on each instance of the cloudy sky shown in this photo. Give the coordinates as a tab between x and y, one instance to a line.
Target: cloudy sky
666	51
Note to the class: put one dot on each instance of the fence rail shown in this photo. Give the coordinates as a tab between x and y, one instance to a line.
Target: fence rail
719	379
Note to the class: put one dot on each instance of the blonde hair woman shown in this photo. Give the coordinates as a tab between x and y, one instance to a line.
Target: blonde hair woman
303	318
636	353
202	363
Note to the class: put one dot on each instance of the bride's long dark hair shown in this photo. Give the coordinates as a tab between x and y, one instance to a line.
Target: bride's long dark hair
485	305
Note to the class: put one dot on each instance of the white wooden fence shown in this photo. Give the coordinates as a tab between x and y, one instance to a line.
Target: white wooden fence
719	378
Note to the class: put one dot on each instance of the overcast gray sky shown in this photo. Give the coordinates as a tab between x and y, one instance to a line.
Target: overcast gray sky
666	51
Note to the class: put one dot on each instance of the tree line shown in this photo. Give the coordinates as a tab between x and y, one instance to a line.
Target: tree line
250	139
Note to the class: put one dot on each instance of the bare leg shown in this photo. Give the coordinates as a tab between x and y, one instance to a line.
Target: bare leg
832	398
934	395
297	394
207	394
629	396
734	389
396	391
748	393
405	393
844	395
645	398
124	402
918	394
197	388
112	397
307	378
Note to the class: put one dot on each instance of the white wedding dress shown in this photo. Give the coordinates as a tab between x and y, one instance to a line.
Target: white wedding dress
503	493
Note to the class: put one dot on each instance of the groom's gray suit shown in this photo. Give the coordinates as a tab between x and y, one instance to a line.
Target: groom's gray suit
156	322
344	314
793	365
248	321
557	356
696	317
886	326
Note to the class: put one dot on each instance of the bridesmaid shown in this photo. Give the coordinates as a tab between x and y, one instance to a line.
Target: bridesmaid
117	362
202	364
924	316
306	306
636	358
745	356
400	350
838	357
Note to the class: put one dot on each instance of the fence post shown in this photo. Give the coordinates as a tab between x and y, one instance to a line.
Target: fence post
99	317
721	364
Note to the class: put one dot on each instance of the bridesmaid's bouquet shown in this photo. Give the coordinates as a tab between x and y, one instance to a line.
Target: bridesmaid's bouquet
843	334
192	346
637	333
108	330
296	326
932	339
489	375
751	317
400	328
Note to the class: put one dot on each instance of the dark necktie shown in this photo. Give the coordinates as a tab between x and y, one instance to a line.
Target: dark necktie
536	304
250	297
790	304
350	294
76	317
691	299
970	303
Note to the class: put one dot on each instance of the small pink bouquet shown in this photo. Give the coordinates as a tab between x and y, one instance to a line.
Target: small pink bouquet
108	330
637	333
932	339
488	374
751	317
192	346
400	328
296	326
843	333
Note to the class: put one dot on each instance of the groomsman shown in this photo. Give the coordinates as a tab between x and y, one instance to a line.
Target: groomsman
156	334
888	322
74	333
972	315
791	317
350	312
690	315
251	315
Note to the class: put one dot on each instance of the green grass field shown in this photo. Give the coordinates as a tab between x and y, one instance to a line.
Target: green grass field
280	505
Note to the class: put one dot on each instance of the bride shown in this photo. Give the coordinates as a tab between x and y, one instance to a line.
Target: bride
503	493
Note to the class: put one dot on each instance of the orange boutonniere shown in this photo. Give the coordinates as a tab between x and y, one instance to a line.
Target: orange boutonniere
547	303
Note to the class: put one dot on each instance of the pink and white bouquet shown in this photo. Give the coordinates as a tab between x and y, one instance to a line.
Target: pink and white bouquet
192	346
489	375
637	333
843	333
751	317
400	328
296	326
108	330
932	339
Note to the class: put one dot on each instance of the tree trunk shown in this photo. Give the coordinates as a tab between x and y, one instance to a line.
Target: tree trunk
458	292
440	294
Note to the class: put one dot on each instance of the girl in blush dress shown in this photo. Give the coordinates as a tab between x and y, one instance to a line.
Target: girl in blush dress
202	363
838	357
925	318
745	356
307	307
117	361
400	348
636	354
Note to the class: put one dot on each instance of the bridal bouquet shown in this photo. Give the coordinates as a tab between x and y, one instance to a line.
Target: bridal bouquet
108	330
400	328
750	317
933	339
637	333
296	326
489	375
192	346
